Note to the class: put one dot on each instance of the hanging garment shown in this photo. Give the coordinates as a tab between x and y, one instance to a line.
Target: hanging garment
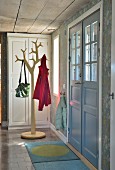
61	114
42	90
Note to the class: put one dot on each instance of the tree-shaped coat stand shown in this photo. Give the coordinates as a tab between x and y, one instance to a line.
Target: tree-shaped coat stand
33	134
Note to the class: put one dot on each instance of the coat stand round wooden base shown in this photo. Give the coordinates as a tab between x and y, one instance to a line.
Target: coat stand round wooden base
29	135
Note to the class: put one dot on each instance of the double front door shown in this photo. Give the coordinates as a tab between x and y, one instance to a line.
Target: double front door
84	82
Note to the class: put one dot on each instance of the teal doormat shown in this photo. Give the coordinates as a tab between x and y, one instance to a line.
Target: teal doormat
49	151
61	165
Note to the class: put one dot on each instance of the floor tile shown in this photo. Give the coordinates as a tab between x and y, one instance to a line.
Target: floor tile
13	154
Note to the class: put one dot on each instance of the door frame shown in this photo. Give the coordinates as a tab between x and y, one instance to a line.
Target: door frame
98	6
112	118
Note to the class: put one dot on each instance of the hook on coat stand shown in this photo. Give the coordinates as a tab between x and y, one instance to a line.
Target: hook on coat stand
62	93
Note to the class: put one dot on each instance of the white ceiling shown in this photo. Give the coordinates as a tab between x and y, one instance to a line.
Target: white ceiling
36	16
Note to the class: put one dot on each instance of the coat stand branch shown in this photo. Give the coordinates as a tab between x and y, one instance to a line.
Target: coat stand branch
33	134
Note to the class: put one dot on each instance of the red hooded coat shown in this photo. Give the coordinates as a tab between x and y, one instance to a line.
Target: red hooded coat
42	91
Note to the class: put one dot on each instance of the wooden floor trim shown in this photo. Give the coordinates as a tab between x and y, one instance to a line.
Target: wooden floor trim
86	162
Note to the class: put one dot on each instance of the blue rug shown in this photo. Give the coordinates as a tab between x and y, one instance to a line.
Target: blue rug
61	165
42	152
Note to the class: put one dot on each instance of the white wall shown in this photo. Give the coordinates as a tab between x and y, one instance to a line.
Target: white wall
22	117
0	61
0	83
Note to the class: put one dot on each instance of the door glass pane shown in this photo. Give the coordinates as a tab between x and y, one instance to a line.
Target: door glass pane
87	53
78	56
94	31
78	39
77	72
87	34
73	40
73	56
87	72
94	72
73	75
94	51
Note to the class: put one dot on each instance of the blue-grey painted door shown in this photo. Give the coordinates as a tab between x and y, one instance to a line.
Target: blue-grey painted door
90	90
75	86
84	82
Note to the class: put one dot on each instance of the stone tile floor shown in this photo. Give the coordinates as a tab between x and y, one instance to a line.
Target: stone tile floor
13	154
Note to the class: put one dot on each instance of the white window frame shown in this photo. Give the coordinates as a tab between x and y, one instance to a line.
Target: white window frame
56	66
0	61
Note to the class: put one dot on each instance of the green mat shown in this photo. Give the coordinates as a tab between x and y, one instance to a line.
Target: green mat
61	165
49	152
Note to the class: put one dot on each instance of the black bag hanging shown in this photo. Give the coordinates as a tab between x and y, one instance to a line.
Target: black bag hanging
23	88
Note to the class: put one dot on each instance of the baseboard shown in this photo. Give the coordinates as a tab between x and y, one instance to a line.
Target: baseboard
4	124
40	126
91	167
58	133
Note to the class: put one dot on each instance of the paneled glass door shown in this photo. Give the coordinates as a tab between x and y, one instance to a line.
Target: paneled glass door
75	86
84	82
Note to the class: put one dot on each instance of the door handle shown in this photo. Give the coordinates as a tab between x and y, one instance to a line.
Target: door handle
77	83
80	75
112	95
